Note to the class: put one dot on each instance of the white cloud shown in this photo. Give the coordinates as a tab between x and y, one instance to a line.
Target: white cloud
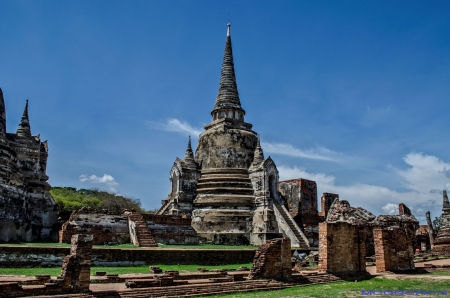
424	173
390	209
106	179
319	153
176	125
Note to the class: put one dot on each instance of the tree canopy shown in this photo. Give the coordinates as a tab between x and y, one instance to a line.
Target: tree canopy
69	198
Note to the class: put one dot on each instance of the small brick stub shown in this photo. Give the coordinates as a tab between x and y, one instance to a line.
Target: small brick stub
273	260
76	267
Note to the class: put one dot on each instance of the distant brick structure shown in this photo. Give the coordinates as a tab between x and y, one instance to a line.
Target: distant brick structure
326	201
351	234
273	260
442	240
76	267
342	247
393	249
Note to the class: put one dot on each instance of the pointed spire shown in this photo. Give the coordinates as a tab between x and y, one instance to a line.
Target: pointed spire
24	129
2	113
258	158
228	96
189	155
446	204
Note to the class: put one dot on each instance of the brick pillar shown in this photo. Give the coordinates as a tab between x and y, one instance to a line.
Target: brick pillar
341	248
76	267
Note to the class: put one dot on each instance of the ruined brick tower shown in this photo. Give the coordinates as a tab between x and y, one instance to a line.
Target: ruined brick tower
228	187
27	210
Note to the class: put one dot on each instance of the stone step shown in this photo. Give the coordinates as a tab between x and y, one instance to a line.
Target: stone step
225	190
225	176
224	184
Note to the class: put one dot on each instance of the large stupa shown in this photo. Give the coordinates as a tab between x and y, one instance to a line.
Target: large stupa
228	187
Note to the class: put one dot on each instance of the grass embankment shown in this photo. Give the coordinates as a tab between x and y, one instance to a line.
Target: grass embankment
55	271
351	289
131	246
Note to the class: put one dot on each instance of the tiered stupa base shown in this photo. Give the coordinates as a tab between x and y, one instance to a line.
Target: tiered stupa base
223	207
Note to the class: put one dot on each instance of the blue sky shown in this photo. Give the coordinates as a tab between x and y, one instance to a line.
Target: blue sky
351	94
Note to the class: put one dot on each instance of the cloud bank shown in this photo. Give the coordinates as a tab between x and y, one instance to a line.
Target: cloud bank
106	179
423	177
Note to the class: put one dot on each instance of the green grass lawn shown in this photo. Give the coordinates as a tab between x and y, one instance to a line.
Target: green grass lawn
55	271
349	289
131	246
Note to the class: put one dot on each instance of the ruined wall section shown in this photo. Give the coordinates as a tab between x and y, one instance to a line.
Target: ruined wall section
172	229
393	249
105	226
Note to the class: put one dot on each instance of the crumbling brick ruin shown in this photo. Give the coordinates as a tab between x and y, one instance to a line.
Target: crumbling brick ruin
76	267
145	230
28	211
75	274
351	234
442	241
106	226
273	260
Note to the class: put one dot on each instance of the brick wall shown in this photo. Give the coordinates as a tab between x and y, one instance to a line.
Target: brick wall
341	247
393	249
171	229
273	260
326	201
25	256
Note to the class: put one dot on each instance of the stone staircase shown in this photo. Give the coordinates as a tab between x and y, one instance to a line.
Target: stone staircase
144	237
165	206
297	232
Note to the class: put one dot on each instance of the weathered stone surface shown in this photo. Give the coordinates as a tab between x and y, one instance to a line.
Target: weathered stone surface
27	210
104	225
171	229
273	260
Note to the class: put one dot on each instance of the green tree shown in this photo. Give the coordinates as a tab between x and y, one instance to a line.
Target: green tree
69	198
437	222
